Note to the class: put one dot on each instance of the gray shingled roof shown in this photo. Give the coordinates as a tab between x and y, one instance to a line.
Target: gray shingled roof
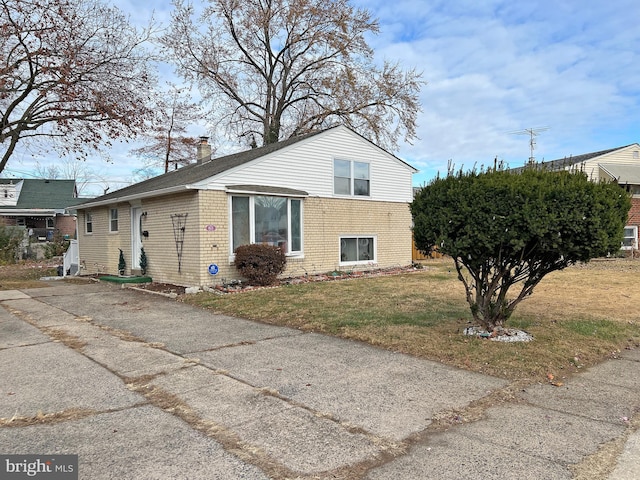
197	172
566	162
43	194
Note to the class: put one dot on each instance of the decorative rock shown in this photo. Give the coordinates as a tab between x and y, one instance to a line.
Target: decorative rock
503	335
191	290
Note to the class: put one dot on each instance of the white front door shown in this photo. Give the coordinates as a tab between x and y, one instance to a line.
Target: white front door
136	236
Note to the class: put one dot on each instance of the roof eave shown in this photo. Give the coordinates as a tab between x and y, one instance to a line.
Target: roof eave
138	196
40	212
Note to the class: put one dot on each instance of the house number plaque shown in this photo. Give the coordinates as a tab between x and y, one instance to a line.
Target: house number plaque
210	228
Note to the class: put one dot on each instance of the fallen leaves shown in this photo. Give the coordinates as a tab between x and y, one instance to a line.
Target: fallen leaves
551	377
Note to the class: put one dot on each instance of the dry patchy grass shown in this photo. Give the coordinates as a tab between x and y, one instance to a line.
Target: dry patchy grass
578	317
26	274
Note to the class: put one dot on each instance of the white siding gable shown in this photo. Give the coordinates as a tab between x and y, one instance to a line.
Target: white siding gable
624	156
9	194
308	165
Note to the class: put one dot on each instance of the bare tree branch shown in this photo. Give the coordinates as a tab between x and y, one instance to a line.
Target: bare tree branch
71	70
278	68
166	139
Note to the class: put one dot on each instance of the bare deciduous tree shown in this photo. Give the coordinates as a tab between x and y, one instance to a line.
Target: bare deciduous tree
166	139
73	71
67	169
277	68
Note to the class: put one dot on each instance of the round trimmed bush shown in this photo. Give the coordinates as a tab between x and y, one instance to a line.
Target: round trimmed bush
259	263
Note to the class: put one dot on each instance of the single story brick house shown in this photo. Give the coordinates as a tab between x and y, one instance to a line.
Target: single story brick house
331	199
620	165
44	207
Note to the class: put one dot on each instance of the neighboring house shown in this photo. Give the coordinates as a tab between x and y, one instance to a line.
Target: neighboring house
331	200
41	206
620	165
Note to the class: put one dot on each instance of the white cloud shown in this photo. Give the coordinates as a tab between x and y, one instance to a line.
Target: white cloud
495	67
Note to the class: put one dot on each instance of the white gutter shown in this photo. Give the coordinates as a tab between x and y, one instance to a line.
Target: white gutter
129	198
25	212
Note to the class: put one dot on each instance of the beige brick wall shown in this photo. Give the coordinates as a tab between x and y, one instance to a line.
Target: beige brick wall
326	220
160	245
206	237
214	240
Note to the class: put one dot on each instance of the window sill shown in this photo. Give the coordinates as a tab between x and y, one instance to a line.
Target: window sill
369	263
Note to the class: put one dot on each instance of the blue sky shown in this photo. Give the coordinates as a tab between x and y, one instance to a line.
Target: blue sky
492	68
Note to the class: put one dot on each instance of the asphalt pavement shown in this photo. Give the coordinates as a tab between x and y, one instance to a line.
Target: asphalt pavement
140	386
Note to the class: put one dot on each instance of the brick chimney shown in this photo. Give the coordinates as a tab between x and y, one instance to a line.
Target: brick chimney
203	152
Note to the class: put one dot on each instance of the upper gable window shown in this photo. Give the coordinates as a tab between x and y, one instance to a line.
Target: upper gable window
351	178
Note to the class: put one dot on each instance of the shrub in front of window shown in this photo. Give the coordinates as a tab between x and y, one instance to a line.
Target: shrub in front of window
259	263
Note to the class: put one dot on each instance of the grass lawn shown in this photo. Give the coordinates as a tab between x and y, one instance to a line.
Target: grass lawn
26	274
579	317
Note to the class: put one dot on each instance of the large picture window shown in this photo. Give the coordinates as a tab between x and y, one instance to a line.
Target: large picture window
357	250
351	178
267	219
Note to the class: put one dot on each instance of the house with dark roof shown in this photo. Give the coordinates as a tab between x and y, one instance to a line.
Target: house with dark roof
43	207
620	165
332	200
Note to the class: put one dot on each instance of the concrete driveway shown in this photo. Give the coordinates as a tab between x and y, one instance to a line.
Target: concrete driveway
143	387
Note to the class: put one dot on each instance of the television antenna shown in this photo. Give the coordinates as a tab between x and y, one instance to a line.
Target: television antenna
533	133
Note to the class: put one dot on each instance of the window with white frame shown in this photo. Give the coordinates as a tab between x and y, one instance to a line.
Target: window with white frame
267	219
357	249
351	178
630	239
50	223
88	222
113	220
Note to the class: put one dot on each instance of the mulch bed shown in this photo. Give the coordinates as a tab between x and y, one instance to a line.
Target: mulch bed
239	287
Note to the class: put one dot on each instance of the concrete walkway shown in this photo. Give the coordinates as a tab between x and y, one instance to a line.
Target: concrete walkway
144	387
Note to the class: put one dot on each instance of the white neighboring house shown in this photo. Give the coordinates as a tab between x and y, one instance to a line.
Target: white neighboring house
332	200
621	165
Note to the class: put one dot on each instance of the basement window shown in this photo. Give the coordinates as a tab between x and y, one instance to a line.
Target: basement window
355	250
